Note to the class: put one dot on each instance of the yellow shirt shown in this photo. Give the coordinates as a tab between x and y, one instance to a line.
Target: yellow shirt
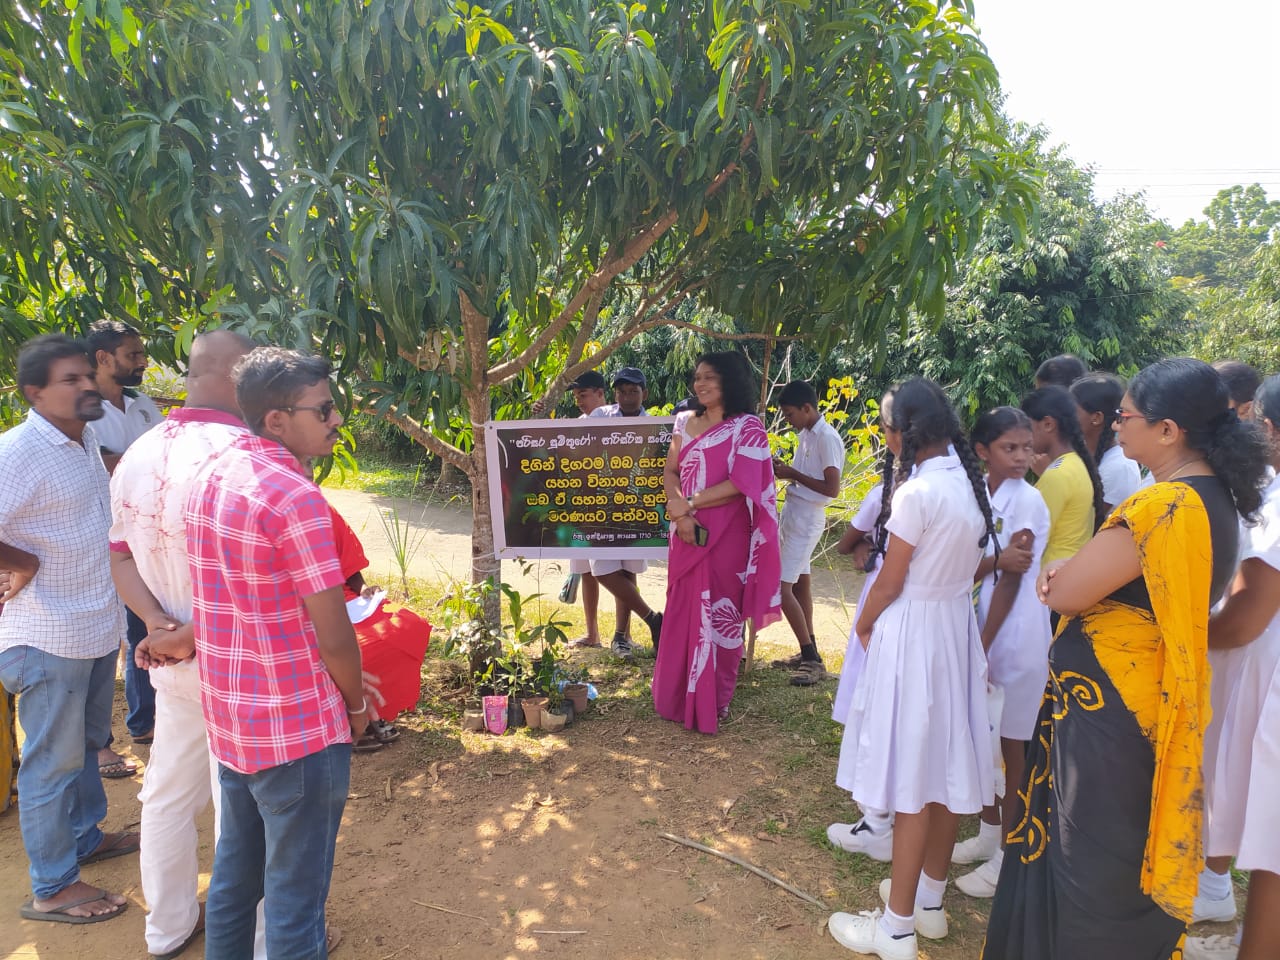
1068	493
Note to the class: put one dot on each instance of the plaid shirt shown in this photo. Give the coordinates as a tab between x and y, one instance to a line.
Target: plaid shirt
260	540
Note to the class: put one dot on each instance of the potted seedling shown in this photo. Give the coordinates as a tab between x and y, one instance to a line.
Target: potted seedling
576	690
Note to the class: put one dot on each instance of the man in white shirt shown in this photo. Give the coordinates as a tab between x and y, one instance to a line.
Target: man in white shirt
60	633
149	491
120	360
630	390
814	474
588	394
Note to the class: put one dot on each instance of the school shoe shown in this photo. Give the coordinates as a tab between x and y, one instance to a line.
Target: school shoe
1210	948
980	883
1205	910
862	933
622	648
930	924
859	838
976	849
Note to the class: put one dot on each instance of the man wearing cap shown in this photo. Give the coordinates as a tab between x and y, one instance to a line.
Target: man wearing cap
588	394
630	390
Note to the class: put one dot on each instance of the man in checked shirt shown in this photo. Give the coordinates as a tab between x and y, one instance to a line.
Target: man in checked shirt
280	677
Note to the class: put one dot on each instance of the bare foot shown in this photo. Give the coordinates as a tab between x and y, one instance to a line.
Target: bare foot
85	903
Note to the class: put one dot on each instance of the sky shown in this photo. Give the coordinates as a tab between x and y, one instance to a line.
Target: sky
1175	99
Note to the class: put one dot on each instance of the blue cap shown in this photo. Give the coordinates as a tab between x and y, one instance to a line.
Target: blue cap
630	375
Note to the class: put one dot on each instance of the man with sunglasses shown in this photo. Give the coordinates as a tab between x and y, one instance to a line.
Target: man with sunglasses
280	676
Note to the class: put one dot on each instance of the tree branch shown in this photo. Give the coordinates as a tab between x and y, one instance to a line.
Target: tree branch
424	437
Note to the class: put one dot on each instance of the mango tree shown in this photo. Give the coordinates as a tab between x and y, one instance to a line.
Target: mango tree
462	203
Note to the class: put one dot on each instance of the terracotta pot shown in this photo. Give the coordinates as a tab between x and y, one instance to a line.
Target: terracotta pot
532	707
553	721
576	693
473	719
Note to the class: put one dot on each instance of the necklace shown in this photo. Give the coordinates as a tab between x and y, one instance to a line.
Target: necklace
1182	466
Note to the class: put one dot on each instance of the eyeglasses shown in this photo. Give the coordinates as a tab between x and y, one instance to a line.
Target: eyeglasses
324	411
1123	415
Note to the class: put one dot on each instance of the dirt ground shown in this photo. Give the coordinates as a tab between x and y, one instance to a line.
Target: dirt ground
547	845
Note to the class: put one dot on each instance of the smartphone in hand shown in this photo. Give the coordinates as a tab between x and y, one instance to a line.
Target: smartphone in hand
700	535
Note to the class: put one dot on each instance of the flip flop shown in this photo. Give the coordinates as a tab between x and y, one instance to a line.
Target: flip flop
384	731
584	642
117	769
28	911
146	739
114	845
366	744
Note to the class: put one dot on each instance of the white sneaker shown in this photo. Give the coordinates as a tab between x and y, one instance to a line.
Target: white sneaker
859	838
930	924
980	883
862	933
1205	910
1210	948
976	849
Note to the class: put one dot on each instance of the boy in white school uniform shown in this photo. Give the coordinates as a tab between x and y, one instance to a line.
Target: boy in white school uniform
814	475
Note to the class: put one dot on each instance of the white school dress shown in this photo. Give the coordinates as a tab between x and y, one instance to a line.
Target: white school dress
854	656
1018	661
1121	477
1242	742
917	730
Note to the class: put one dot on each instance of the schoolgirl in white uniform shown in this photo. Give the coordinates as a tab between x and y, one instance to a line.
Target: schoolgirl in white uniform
1097	398
1242	742
1014	623
916	741
865	540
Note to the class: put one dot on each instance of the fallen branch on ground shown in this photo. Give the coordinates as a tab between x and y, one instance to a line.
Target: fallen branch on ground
456	913
764	874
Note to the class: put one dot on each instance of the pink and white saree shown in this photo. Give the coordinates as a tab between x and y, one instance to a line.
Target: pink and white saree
713	590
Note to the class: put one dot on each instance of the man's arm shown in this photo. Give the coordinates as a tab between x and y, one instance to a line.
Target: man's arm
336	638
22	566
828	485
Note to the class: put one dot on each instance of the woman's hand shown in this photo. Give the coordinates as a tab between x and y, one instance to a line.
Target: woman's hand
686	529
1046	579
864	635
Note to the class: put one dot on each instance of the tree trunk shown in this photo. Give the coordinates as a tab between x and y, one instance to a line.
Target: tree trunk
484	564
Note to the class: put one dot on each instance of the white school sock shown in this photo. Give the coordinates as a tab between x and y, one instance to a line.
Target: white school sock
929	892
880	822
896	926
1214	886
988	831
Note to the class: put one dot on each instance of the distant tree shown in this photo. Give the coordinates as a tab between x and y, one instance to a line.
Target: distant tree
1091	279
1216	251
1245	324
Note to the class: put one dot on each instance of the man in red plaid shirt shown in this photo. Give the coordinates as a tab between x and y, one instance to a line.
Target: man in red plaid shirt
280	678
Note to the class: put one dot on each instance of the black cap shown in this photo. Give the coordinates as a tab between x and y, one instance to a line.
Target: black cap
591	380
630	375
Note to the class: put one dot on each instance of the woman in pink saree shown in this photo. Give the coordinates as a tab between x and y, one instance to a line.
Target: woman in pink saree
723	566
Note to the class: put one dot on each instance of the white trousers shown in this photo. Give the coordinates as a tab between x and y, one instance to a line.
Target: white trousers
180	779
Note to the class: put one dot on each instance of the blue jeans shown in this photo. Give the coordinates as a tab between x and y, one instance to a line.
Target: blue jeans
138	693
279	828
64	707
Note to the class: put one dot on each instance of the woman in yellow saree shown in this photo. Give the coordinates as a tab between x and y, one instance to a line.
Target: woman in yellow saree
1103	862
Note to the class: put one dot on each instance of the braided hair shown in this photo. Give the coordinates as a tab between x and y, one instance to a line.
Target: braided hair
879	535
1056	404
925	417
1100	393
